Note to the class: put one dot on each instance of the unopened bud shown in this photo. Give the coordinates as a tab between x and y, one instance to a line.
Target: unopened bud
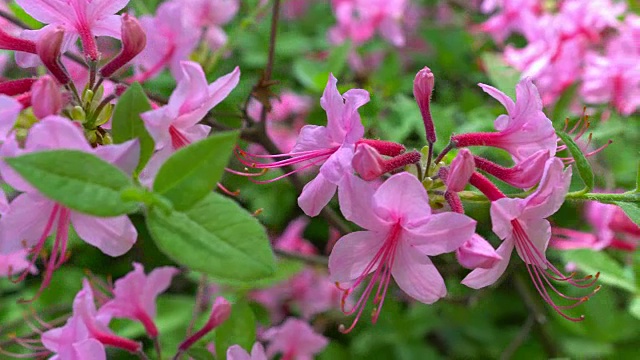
368	162
46	98
16	87
460	171
9	42
477	253
422	88
48	47
219	313
134	41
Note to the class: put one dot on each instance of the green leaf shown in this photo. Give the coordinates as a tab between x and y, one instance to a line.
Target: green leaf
215	236
632	211
77	180
634	307
238	329
592	262
501	75
200	353
127	124
22	15
311	74
193	171
584	168
338	57
285	269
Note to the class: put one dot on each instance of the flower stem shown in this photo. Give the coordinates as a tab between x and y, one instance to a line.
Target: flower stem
632	197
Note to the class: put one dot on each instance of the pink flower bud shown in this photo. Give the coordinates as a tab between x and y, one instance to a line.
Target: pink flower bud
477	253
134	41
368	162
422	88
48	47
8	42
219	313
16	87
461	169
46	98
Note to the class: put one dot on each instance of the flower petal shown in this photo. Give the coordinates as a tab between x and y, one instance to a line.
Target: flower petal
26	221
352	254
480	278
505	100
442	233
9	110
402	196
125	155
356	197
312	137
315	195
114	236
416	275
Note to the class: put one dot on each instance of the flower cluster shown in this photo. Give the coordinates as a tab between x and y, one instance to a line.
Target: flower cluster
573	43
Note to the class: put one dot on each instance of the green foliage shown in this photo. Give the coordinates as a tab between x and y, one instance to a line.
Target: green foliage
62	176
502	75
214	236
239	329
193	171
610	271
584	168
127	124
632	211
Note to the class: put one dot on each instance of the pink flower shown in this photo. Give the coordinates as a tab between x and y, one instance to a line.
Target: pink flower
460	171
170	40
513	16
522	224
83	18
332	146
358	20
86	333
294	339
477	253
526	174
46	97
401	233
10	108
136	293
235	352
292	238
525	129
15	262
176	124
31	217
370	164
294	9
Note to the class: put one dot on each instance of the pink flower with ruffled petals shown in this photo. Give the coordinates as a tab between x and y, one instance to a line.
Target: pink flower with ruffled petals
236	352
358	20
175	125
170	40
401	233
294	339
31	217
136	293
83	18
525	129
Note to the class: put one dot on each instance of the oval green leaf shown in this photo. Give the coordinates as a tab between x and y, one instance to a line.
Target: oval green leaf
584	168
77	180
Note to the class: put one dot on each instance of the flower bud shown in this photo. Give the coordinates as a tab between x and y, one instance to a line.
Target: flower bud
48	48
134	41
422	88
219	313
460	171
368	162
477	253
8	42
46	98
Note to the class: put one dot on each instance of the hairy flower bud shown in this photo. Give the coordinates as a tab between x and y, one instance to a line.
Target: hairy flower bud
477	253
422	88
46	98
134	41
48	48
461	169
9	42
368	162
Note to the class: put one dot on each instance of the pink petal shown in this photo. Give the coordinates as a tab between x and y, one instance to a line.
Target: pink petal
333	103
403	197
539	232
9	110
191	90
352	254
56	132
312	137
157	282
480	278
338	165
47	11
356	197
125	155
89	349
477	253
416	275
442	233
113	236
315	195
25	221
549	195
460	171
101	8
157	123
351	122
502	212
107	26
148	174
236	352
505	100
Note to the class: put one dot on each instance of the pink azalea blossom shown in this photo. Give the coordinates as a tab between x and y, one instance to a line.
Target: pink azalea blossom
526	174
294	339
15	262
175	125
83	18
294	9
513	16
358	20
170	40
86	332
401	233
10	108
522	224
136	293
211	15
236	352
525	129
31	217
332	146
